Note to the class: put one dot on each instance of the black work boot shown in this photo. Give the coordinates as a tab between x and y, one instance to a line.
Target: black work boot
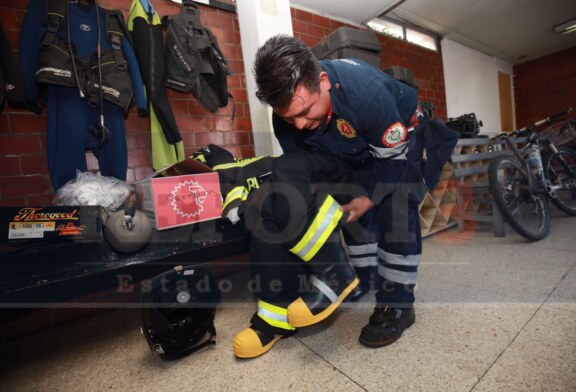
386	325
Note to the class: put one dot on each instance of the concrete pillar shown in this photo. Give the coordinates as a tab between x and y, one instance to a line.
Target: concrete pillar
260	20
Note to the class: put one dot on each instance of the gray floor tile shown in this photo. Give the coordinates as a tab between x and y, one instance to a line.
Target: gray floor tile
448	349
541	358
492	314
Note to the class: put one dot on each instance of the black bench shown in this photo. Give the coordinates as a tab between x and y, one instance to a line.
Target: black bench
44	275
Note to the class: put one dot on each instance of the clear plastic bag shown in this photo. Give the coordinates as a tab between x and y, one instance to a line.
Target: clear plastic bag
89	189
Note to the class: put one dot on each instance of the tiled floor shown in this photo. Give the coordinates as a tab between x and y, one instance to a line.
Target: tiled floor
493	314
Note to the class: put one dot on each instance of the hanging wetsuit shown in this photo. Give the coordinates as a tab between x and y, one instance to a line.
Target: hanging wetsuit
12	83
71	119
146	28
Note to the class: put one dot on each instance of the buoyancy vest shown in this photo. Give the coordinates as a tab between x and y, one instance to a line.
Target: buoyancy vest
194	61
59	63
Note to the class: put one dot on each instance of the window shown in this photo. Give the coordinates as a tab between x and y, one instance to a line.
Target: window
387	27
401	31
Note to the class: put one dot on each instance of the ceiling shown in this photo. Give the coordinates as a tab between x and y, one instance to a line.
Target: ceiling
511	30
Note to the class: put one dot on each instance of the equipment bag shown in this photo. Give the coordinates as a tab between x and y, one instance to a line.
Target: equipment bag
466	125
178	309
194	61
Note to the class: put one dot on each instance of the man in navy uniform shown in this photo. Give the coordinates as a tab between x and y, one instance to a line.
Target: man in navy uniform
347	117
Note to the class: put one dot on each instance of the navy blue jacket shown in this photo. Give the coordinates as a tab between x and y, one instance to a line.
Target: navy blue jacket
371	112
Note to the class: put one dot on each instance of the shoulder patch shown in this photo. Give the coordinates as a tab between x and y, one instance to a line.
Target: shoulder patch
345	128
394	135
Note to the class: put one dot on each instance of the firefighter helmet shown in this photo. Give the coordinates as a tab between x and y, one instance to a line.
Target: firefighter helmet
178	310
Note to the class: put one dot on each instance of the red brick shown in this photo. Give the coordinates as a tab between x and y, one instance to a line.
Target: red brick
239	95
246	151
137	124
138	140
40	200
229	51
219	124
141	173
206	138
22	122
236	65
231	138
8	18
195	108
10	166
243	123
321	21
189	138
221	20
302	15
179	106
4	123
191	123
230	37
139	158
17	144
34	164
177	94
24	185
235	81
317	31
299	26
13	202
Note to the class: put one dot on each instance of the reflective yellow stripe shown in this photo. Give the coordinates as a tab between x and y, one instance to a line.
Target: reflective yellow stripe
235	193
274	315
322	226
241	163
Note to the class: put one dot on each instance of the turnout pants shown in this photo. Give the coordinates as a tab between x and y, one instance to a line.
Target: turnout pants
304	191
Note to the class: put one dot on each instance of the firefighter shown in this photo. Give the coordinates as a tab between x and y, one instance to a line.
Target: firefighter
361	118
298	259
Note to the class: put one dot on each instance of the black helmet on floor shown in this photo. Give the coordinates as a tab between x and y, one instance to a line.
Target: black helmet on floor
178	309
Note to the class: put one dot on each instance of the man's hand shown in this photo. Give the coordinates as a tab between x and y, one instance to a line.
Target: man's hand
357	207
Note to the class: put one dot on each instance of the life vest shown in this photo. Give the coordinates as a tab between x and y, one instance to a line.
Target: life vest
60	65
194	61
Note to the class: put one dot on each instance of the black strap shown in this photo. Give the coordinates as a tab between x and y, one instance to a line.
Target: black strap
55	12
114	22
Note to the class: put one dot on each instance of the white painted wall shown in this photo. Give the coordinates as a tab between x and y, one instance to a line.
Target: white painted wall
260	20
471	80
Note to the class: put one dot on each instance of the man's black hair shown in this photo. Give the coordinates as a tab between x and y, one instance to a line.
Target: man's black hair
281	64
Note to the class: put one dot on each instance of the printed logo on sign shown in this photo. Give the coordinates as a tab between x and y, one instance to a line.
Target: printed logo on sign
345	128
188	198
394	135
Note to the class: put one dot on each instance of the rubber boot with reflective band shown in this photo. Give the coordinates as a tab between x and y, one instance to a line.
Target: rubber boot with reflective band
268	325
331	278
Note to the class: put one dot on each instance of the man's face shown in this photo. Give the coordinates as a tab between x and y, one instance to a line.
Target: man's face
307	110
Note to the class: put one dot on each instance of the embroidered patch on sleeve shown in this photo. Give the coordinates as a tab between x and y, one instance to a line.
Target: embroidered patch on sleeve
345	128
394	135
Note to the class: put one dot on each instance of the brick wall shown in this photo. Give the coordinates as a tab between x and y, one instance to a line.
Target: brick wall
545	86
425	64
23	169
24	176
